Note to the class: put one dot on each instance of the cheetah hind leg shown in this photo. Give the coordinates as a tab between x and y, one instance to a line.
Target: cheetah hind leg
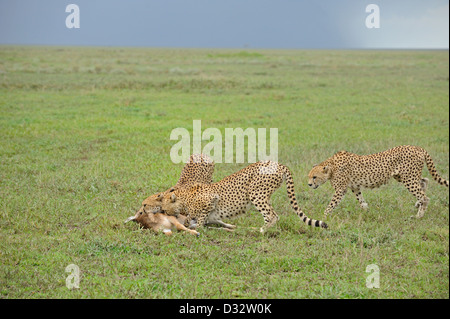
423	204
360	198
270	216
424	184
416	188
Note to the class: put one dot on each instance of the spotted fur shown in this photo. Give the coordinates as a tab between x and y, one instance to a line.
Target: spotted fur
403	163
232	196
199	170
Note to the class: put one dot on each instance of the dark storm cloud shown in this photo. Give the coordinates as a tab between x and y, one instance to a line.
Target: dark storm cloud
214	23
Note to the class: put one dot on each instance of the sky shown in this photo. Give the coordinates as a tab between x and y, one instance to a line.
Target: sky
265	24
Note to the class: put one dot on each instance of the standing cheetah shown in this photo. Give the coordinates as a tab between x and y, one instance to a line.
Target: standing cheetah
403	163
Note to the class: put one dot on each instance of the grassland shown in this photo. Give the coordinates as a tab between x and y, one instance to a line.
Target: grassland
85	138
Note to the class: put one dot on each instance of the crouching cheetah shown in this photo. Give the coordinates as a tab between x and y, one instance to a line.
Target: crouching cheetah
403	163
232	196
199	170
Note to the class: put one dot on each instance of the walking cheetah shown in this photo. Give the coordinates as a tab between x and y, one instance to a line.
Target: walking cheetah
403	163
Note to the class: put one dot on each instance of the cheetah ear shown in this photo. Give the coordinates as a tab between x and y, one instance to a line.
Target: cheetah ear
172	190
173	198
160	197
325	169
315	165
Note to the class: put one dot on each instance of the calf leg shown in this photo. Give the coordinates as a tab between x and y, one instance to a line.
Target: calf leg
174	221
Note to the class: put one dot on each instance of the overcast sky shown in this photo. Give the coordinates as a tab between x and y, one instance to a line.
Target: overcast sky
228	23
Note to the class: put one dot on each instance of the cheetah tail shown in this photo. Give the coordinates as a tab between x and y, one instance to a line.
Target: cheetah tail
433	171
294	204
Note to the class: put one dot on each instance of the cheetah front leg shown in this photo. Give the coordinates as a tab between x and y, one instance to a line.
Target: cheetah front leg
220	223
197	218
337	197
207	204
359	197
203	221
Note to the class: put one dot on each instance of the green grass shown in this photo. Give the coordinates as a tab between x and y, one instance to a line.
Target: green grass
85	138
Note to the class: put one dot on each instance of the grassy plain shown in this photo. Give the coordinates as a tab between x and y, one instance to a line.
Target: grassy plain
85	138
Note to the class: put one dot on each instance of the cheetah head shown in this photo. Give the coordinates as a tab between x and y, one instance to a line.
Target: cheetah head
153	203
150	206
318	175
171	205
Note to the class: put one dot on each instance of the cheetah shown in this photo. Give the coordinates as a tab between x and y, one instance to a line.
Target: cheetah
347	170
199	170
232	196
